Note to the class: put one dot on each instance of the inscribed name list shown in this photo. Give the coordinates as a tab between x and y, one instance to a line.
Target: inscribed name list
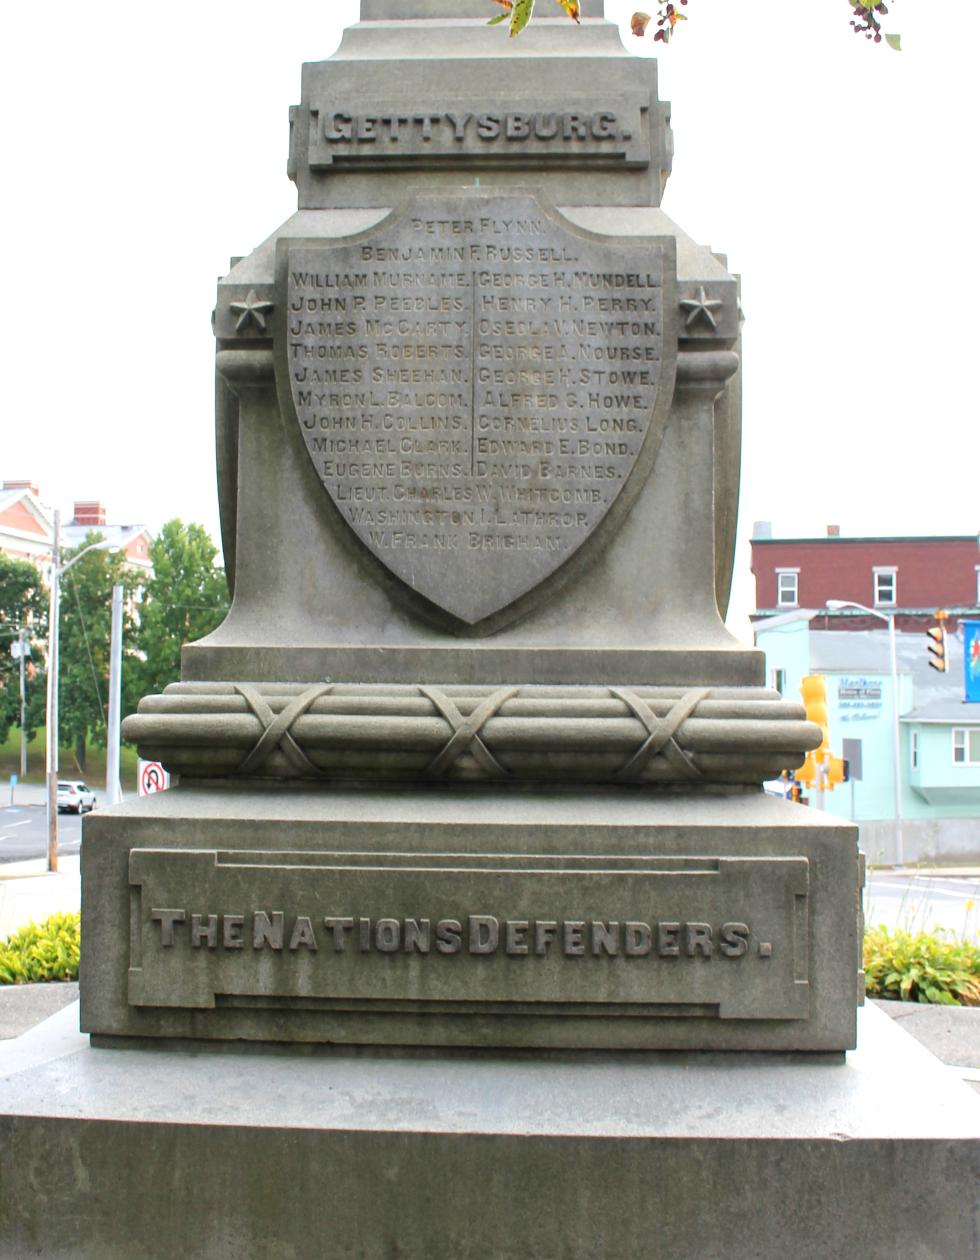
475	384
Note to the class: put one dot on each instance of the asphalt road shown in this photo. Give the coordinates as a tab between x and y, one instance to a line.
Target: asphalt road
923	902
24	833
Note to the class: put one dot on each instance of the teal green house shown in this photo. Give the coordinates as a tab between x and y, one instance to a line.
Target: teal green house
939	735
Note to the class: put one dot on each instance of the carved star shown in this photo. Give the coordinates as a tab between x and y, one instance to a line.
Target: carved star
701	307
253	309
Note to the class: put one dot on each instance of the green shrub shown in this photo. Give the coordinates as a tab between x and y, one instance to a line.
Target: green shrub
44	951
922	967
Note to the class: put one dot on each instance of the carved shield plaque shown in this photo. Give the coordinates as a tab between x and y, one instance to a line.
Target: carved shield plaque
481	387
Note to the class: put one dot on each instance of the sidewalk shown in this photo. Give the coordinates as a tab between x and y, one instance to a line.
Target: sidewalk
29	891
29	794
928	872
951	1033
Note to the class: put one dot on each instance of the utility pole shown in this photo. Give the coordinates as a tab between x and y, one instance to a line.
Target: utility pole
20	650
113	789
51	716
23	650
889	619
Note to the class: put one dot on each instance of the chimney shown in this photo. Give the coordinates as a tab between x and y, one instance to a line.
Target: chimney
833	531
90	513
23	485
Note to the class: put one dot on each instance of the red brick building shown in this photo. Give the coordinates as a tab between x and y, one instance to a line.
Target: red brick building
27	528
90	516
910	577
25	524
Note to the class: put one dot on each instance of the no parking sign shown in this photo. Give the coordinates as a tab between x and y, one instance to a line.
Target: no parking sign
152	778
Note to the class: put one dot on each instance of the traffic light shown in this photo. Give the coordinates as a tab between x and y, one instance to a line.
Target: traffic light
937	648
814	692
821	769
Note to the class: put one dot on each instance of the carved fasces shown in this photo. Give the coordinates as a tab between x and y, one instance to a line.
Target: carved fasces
481	387
472	733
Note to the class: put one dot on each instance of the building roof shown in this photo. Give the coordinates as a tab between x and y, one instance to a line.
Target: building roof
125	538
27	529
944	712
844	651
24	496
75	535
838	539
773	621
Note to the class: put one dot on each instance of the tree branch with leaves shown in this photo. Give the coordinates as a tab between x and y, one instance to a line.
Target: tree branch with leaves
866	19
23	605
85	635
184	600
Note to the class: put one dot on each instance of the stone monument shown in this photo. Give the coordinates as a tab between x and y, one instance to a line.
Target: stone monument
473	759
470	806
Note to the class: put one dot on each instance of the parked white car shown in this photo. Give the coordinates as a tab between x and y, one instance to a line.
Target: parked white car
74	797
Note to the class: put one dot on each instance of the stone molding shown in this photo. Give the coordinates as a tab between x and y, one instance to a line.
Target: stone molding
466	733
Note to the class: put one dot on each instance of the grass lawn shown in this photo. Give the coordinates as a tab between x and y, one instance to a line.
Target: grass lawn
94	768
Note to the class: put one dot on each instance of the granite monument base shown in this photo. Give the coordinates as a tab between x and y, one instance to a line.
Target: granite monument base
612	919
380	1153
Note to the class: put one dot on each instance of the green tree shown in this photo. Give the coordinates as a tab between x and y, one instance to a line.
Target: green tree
183	601
83	659
23	602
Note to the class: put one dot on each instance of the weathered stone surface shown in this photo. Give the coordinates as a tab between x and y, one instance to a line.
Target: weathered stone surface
477	441
562	1156
22	1006
604	608
457	734
448	96
559	920
533	135
410	10
601	579
479	929
505	382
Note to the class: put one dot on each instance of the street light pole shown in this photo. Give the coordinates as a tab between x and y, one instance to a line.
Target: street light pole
113	791
836	604
51	712
21	655
897	737
51	715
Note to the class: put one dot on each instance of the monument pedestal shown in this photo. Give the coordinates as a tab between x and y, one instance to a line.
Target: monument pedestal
613	919
374	1153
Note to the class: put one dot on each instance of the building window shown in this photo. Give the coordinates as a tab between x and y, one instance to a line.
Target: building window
914	748
885	589
966	746
778	677
787	588
978	583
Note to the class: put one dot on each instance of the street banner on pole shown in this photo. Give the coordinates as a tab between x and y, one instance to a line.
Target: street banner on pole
971	660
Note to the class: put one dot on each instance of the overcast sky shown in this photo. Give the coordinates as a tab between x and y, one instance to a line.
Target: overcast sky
143	145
